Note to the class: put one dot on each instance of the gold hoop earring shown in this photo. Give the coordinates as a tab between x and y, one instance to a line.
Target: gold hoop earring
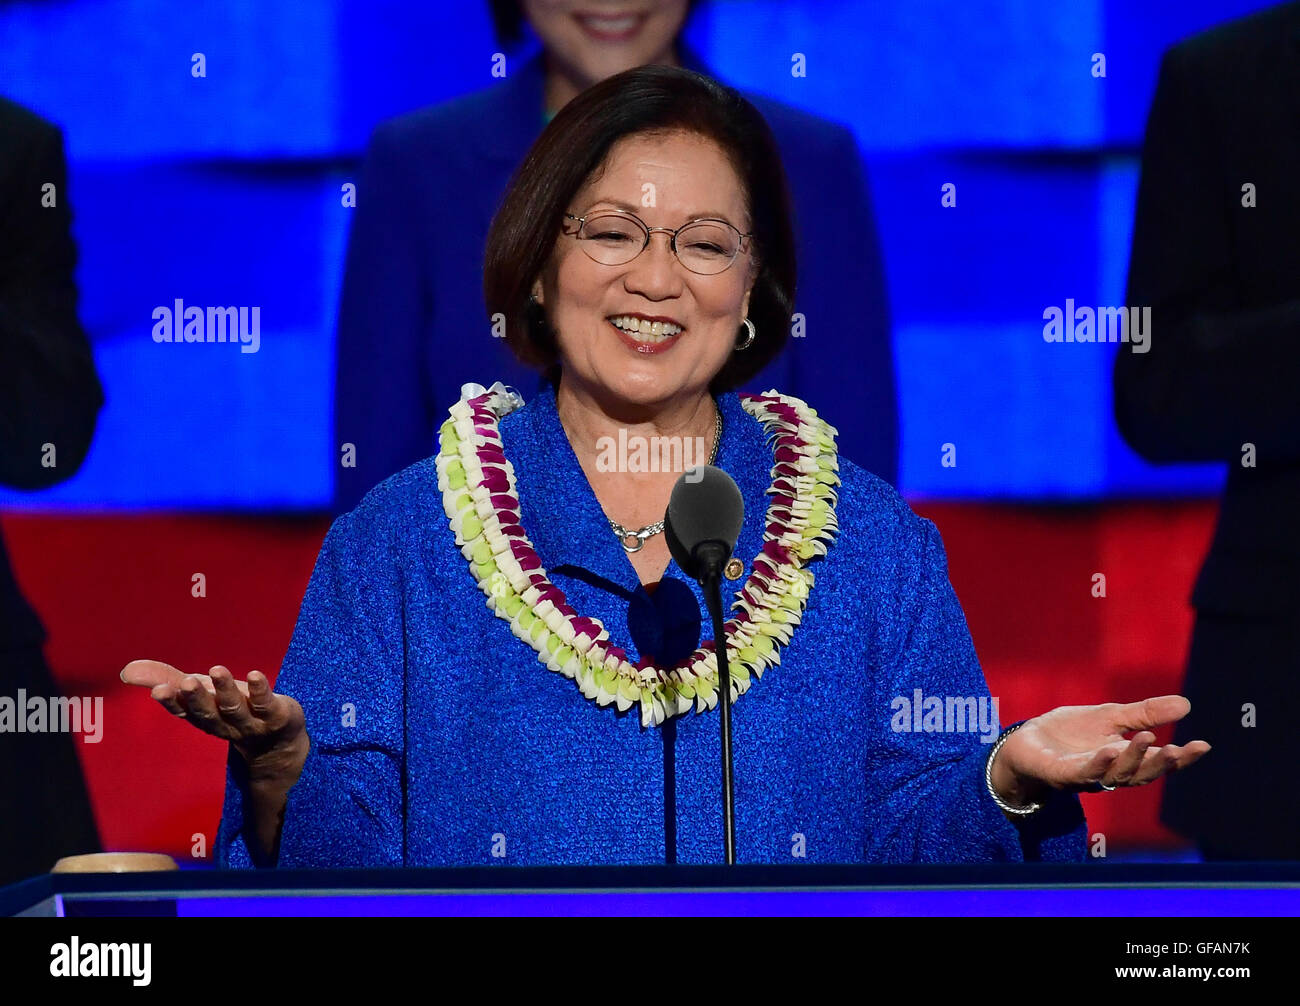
749	339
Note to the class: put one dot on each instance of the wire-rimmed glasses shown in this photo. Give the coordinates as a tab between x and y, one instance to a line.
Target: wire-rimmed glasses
706	246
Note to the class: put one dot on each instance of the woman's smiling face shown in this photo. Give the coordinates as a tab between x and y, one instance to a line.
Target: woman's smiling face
666	179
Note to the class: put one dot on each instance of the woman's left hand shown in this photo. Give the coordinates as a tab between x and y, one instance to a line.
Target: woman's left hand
1081	747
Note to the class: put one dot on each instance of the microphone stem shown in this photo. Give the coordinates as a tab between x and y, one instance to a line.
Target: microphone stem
713	598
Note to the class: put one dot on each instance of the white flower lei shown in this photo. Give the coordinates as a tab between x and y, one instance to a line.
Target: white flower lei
477	483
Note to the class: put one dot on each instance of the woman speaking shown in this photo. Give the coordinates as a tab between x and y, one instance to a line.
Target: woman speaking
497	658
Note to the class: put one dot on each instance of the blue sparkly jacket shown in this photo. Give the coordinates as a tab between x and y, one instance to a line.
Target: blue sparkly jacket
439	739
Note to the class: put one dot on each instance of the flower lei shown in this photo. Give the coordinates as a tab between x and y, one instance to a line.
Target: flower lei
477	483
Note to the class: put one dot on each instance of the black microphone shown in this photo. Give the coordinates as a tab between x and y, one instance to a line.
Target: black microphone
704	517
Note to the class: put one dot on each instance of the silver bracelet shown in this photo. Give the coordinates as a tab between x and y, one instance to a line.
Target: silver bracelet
988	778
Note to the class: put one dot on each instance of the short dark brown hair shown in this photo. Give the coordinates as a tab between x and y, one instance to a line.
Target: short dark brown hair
647	99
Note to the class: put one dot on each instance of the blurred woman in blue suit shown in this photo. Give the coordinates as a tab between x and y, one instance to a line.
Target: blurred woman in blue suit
412	327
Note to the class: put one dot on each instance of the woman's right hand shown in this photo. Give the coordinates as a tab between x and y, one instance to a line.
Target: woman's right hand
267	729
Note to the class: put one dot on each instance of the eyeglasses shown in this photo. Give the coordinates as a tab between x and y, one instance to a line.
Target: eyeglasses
616	237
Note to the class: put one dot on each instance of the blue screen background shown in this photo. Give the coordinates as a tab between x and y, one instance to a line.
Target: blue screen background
225	189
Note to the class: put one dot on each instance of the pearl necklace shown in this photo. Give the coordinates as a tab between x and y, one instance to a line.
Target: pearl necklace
477	483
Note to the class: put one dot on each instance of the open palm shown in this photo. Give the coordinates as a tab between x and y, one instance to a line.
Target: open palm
1081	747
253	718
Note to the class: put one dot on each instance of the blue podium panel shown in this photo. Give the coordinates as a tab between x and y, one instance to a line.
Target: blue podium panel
1142	890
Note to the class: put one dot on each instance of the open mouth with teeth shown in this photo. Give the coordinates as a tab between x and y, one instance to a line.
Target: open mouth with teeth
644	329
611	28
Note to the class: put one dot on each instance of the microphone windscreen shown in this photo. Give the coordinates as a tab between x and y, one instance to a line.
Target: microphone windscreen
705	505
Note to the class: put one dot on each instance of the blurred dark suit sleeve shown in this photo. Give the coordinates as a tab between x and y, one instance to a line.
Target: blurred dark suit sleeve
49	391
49	394
1222	278
1221	371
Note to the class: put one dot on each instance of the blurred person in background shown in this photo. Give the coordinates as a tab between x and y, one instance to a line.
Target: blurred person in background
49	401
1216	255
412	327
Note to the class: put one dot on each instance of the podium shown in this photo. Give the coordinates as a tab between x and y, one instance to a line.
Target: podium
1004	889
